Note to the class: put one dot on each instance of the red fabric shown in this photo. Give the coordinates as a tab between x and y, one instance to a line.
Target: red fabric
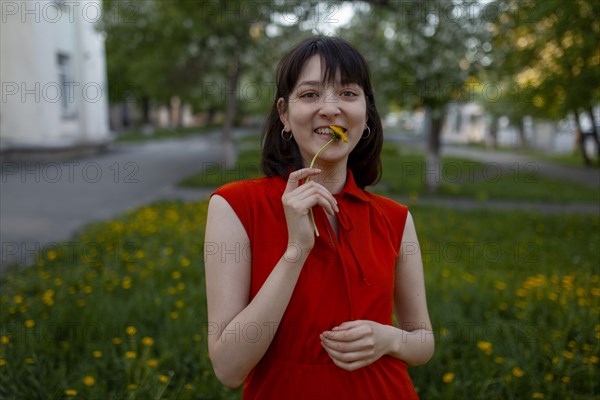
343	279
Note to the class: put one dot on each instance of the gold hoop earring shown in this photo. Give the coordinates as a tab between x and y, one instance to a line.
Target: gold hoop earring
284	138
368	134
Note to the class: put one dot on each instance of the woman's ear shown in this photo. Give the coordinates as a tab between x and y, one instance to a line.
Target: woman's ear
282	109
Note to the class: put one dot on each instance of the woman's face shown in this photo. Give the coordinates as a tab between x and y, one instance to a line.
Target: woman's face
312	107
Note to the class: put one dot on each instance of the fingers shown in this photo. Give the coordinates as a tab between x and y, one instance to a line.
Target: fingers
296	176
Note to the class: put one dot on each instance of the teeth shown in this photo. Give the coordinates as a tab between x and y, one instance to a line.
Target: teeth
324	131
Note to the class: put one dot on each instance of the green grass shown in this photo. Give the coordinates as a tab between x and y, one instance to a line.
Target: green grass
404	174
162	133
513	298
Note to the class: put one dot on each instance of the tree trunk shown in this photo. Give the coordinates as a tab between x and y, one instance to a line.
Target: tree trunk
580	144
521	130
494	131
590	111
229	151
433	167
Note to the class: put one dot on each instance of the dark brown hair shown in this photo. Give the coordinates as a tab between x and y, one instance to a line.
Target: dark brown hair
280	157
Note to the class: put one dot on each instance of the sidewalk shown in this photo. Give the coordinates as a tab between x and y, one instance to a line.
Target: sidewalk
43	203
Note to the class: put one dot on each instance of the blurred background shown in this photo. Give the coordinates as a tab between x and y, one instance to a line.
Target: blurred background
119	117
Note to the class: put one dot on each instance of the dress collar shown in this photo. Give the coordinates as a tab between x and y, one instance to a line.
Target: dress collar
350	189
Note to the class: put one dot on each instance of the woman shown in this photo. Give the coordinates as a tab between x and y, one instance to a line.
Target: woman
295	315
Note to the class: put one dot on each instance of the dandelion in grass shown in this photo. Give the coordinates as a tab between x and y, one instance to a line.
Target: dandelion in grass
147	341
71	392
336	135
89	381
130	355
518	372
131	330
448	377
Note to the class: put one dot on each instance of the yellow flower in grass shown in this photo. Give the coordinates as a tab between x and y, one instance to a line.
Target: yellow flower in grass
131	386
96	354
89	381
538	395
29	361
448	377
152	363
568	355
2	362
163	378
147	341
71	392
131	330
18	299
486	347
565	379
5	340
518	372
130	355
117	340
29	324
549	377
336	134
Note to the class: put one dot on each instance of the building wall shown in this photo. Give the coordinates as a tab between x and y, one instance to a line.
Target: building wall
39	109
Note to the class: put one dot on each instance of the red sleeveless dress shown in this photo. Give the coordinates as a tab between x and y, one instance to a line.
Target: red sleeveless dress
345	278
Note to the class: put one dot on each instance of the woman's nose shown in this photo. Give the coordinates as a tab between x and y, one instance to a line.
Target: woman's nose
329	106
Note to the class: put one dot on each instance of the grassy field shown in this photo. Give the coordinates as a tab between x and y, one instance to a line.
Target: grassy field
514	299
119	312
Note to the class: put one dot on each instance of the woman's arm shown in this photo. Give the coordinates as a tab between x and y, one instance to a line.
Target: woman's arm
228	277
415	343
355	344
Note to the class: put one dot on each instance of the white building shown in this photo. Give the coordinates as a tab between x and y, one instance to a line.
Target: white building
53	75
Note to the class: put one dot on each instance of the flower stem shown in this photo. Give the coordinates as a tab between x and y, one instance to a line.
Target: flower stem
312	163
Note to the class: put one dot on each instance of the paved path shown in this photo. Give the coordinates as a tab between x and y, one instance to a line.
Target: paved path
511	161
42	203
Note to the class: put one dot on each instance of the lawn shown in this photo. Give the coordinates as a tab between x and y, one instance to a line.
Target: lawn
404	174
119	312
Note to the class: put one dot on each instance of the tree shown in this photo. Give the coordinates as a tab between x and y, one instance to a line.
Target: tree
550	49
424	53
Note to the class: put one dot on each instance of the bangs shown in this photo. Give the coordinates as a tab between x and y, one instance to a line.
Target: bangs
337	56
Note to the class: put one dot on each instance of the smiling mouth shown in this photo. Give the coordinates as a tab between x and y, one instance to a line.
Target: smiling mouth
327	131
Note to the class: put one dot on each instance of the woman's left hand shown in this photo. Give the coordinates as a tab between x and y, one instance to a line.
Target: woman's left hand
355	344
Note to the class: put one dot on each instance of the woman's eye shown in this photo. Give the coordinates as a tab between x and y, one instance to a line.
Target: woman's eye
348	93
309	95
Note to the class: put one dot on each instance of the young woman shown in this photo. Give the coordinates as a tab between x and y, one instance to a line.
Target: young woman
293	314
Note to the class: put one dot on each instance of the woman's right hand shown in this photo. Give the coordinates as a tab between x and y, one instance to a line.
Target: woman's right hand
298	200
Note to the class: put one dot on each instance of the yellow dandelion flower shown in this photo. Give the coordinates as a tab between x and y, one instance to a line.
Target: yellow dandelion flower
498	360
174	314
176	275
180	286
147	341
171	290
89	381
4	339
521	292
185	262
168	251
568	355
52	254
500	285
96	354
486	347
126	283
58	281
71	392
117	340
87	289
518	372
445	272
553	296
197	338
131	386
29	361
152	363
593	359
565	379
18	299
503	306
538	395
549	377
29	323
179	304
131	330
448	377
2	362
188	386
163	378
130	355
